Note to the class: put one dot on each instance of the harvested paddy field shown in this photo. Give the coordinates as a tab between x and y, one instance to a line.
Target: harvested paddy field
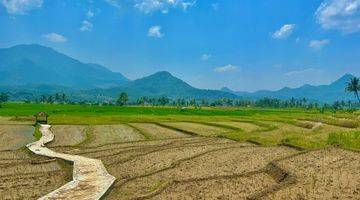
197	128
245	126
68	135
154	131
13	137
183	160
322	174
26	176
106	134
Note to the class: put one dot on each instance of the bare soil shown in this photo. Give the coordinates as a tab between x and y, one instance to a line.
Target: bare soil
158	132
25	176
13	137
323	174
105	134
68	135
240	187
200	129
171	167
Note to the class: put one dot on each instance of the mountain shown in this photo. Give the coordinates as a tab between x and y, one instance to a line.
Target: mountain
37	65
28	71
322	93
162	84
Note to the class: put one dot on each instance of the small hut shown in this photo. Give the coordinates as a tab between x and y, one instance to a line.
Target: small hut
41	118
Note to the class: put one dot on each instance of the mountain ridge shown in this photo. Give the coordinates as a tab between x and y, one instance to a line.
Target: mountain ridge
36	69
37	64
164	84
322	93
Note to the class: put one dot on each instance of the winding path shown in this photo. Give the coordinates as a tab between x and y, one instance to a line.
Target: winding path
90	178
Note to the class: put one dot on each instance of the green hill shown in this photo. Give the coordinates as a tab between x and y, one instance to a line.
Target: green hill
163	84
36	64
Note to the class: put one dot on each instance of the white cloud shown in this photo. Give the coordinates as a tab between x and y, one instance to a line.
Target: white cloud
21	7
284	32
304	72
54	37
86	26
205	57
90	14
226	68
155	31
150	6
318	44
114	3
341	15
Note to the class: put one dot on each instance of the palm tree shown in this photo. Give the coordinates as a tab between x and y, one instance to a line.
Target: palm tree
354	86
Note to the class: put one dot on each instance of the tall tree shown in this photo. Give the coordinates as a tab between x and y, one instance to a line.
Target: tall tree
354	86
123	99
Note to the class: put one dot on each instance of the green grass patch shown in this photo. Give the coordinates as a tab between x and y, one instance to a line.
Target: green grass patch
224	126
270	122
37	133
349	140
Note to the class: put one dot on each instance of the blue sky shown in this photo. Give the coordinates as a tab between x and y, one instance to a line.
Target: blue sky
245	45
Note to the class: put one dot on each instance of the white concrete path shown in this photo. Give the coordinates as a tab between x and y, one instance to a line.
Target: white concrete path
90	178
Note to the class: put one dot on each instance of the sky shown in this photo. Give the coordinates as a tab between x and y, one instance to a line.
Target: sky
246	45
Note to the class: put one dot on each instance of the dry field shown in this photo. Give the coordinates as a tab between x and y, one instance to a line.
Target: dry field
25	176
183	160
13	137
199	129
154	131
106	134
69	135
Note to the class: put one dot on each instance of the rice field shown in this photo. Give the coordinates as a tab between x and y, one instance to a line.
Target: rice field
106	134
13	137
154	131
68	135
196	128
239	157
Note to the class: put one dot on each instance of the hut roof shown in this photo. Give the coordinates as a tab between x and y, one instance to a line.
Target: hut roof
41	114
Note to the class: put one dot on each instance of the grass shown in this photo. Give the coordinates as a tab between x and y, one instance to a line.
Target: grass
349	140
276	126
37	133
86	114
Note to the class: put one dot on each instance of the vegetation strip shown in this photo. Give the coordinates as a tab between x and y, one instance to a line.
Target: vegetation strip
90	178
178	129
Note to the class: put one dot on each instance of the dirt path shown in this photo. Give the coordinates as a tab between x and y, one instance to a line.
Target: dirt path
90	178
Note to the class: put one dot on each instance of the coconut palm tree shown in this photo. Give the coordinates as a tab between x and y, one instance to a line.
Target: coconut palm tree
354	86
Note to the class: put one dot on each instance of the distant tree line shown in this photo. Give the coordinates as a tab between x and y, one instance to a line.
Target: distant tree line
123	99
4	97
56	98
226	102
